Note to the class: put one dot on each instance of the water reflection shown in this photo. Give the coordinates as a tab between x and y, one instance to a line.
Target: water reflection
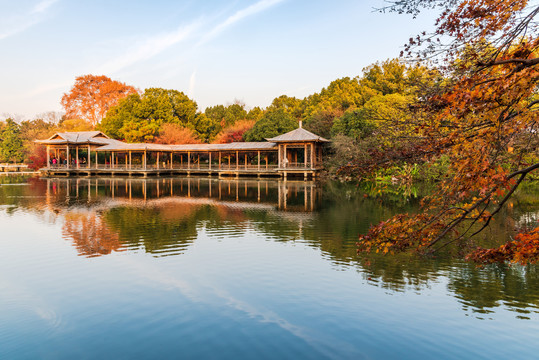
162	216
165	216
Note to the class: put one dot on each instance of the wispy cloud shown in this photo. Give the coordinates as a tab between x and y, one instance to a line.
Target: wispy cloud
43	6
149	48
239	15
155	45
13	24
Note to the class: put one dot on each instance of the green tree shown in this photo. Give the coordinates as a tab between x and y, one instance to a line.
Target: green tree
354	123
226	115
255	114
321	122
138	118
273	123
11	145
205	127
289	104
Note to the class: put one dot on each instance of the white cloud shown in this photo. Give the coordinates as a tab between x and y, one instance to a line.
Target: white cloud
42	6
239	15
13	24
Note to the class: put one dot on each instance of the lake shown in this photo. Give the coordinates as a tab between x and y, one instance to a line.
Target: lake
202	268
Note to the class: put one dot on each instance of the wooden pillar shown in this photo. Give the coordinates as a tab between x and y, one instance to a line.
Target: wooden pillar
67	155
266	161
96	160
130	158
171	159
89	156
279	156
198	161
189	160
112	159
158	160
145	164
305	156
237	160
77	156
125	160
181	160
245	161
258	160
312	155
219	160
209	161
48	156
229	160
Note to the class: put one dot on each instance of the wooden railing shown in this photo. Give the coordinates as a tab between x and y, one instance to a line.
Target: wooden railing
184	166
296	166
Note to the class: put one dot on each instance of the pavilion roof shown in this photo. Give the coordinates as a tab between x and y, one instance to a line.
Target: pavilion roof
79	137
298	135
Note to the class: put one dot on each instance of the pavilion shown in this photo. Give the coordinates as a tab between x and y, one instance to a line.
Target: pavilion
87	153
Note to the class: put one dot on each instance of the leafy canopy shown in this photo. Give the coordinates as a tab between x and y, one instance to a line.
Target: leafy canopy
92	96
484	119
273	123
138	118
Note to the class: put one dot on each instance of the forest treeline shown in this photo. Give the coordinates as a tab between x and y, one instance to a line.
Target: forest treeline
349	111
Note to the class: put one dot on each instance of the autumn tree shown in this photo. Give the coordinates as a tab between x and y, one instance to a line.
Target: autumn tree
35	154
171	133
234	132
92	96
484	119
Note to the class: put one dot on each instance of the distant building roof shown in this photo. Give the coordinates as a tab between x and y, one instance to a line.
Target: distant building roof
298	135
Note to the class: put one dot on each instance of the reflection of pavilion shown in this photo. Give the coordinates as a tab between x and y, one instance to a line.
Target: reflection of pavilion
296	153
298	196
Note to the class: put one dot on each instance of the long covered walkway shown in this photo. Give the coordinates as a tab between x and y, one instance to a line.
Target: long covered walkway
297	153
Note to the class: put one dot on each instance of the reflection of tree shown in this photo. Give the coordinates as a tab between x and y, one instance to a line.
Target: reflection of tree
484	289
146	226
167	225
91	236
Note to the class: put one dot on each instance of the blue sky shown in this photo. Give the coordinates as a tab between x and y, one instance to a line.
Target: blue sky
214	51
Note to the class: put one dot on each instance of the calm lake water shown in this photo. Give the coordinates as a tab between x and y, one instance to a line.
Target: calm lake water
243	269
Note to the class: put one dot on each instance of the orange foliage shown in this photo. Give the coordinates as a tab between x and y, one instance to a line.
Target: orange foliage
234	132
171	133
524	249
90	234
485	121
92	96
37	158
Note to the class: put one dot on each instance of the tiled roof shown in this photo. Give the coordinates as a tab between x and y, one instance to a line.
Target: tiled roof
79	137
299	134
235	146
